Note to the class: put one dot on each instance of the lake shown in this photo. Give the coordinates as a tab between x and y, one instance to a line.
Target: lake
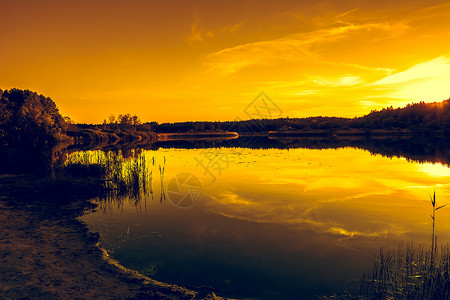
252	223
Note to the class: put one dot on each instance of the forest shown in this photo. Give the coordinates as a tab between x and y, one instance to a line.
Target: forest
415	118
33	120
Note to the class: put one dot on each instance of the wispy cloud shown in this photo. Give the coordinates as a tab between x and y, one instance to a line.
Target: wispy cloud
293	47
346	80
426	81
196	34
436	68
358	66
354	233
199	34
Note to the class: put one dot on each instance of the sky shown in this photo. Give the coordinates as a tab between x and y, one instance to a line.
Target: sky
184	60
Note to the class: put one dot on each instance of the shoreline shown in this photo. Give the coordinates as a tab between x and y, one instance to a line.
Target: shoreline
46	252
108	139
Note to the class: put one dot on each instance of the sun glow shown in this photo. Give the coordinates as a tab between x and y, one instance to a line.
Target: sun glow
434	170
427	80
208	60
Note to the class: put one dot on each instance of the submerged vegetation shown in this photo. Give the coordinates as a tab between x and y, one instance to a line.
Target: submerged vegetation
121	176
410	272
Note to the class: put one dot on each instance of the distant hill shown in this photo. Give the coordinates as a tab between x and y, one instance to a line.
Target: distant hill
418	118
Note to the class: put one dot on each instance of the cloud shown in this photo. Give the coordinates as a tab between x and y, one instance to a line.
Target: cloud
357	66
426	81
195	35
198	34
293	47
347	80
436	68
353	233
306	92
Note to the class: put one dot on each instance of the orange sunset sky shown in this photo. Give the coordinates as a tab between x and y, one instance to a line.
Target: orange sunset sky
178	60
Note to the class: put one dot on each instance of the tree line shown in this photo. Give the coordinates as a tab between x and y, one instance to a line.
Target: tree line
32	119
29	119
418	117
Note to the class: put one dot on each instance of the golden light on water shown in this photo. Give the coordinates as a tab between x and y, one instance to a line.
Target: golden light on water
333	208
435	170
345	192
206	60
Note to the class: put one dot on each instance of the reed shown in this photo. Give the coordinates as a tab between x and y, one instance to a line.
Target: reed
122	177
410	272
162	169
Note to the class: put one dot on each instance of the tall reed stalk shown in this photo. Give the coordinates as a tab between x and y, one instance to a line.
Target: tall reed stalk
121	177
433	217
412	271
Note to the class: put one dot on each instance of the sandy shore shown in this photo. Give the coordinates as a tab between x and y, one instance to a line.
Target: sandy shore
46	253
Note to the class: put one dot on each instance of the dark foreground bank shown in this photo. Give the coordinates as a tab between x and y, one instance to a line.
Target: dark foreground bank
47	253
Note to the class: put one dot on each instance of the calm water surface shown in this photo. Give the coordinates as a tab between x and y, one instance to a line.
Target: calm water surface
273	224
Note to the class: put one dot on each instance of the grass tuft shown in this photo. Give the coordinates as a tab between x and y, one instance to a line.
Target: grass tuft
121	177
410	272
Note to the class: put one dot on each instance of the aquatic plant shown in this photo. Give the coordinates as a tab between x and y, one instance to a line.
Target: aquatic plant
121	177
433	217
410	272
162	169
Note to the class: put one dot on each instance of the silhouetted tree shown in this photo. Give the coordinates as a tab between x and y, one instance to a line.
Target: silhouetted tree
29	118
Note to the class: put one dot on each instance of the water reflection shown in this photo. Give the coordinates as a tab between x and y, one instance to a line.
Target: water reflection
417	148
125	176
278	223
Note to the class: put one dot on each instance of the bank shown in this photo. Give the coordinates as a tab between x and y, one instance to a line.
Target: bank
47	253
